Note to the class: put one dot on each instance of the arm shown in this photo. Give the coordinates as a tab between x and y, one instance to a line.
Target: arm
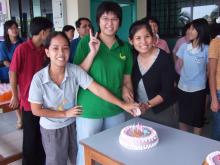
178	65
167	49
94	44
166	81
87	62
38	110
13	82
212	67
155	101
106	95
127	89
179	58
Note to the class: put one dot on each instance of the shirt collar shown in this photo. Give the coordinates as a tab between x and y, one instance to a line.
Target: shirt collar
33	47
46	77
115	45
193	50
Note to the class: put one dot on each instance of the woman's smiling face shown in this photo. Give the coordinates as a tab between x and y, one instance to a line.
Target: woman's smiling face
58	51
142	41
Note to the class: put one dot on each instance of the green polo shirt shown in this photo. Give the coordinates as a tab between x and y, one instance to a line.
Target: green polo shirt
108	69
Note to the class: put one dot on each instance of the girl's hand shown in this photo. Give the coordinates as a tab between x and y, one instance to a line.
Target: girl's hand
215	105
14	102
129	107
73	112
143	107
94	43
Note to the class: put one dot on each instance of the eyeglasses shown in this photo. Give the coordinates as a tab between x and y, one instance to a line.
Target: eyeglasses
105	19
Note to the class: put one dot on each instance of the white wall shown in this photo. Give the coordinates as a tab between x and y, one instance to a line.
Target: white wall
76	9
84	8
72	11
141	8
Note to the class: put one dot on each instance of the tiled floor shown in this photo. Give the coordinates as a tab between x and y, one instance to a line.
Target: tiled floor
11	138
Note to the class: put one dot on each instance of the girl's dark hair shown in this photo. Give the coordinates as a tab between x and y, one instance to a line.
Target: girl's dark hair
53	35
8	25
202	28
149	19
67	28
137	25
106	7
215	29
185	28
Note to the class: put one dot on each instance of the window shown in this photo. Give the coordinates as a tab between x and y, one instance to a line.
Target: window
174	14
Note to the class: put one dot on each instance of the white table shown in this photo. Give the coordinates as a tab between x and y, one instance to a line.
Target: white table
175	147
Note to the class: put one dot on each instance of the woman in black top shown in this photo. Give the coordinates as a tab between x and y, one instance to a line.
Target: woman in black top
153	70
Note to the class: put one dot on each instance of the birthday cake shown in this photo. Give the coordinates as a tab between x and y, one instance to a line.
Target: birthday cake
138	137
213	158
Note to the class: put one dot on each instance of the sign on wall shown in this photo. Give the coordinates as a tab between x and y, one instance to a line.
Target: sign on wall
4	15
59	16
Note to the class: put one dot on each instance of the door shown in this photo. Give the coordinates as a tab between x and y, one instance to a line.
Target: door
22	11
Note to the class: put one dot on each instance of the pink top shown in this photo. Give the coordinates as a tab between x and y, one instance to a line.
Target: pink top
162	44
179	42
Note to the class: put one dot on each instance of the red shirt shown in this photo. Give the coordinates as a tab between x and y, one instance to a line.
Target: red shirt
26	61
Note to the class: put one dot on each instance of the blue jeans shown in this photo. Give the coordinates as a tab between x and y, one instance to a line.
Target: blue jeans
216	122
86	127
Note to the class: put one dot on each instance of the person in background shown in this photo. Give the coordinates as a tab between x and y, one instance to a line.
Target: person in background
108	60
182	40
214	78
152	74
69	31
179	42
192	62
158	42
58	113
83	25
7	48
28	58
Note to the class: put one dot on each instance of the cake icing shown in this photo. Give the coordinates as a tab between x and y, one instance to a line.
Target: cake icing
213	158
138	137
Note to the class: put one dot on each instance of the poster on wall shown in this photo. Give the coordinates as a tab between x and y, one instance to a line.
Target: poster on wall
4	15
59	16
